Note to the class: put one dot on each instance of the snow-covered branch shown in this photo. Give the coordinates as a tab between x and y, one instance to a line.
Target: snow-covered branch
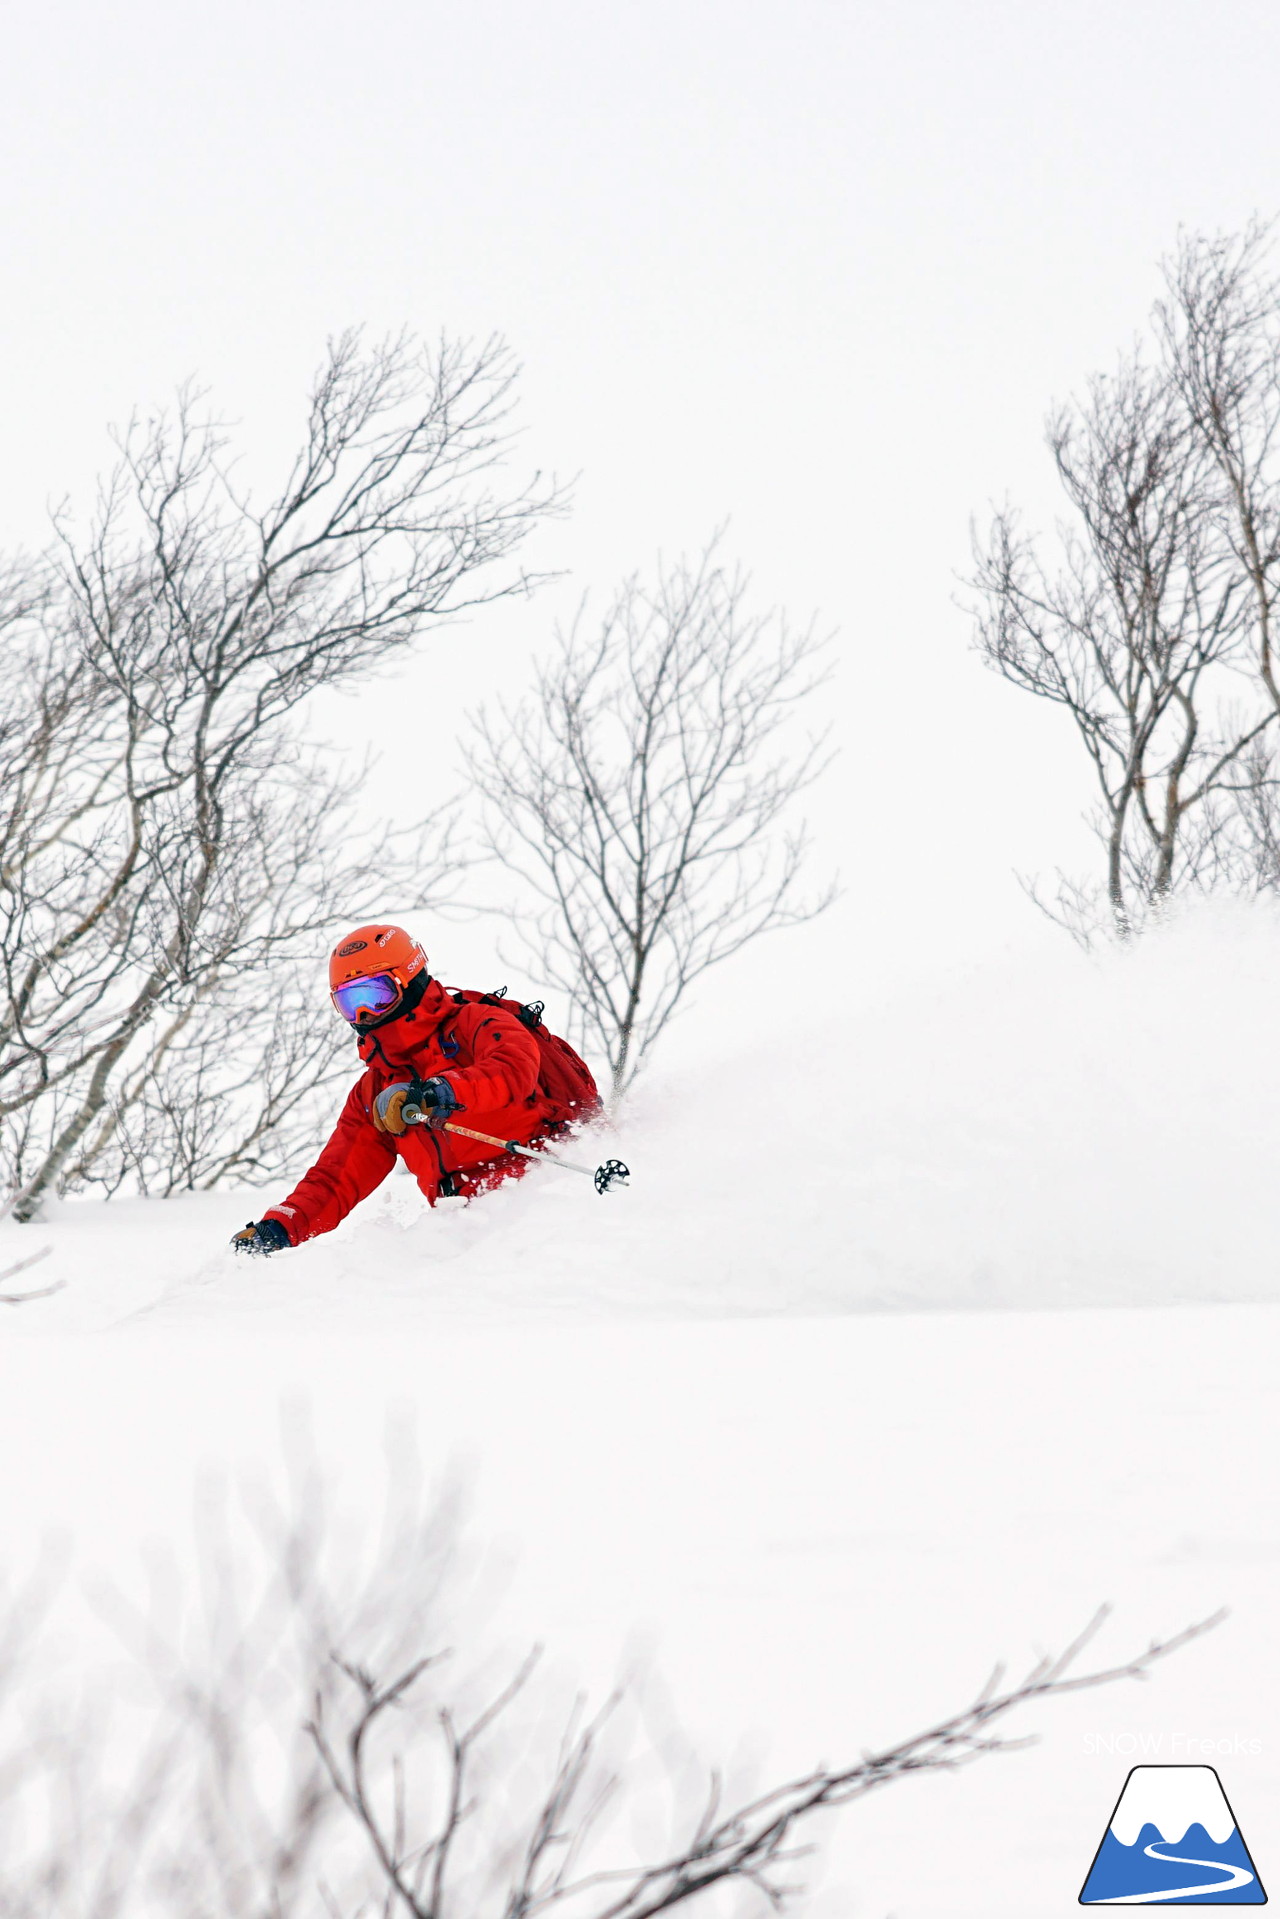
167	849
1154	628
646	793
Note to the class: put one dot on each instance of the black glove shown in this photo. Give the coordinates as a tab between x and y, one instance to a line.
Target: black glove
268	1236
434	1099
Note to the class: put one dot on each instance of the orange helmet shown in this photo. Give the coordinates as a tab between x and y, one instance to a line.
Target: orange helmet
371	970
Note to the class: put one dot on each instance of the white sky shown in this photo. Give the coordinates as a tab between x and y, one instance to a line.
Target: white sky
814	268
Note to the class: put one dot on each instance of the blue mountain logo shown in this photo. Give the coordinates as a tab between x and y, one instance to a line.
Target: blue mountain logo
1173	1841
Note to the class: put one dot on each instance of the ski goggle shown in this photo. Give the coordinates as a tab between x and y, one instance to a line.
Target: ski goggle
376	994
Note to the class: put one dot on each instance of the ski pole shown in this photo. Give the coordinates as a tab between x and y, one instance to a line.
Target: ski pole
612	1173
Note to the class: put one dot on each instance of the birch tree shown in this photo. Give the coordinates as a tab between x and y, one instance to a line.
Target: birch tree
168	849
1152	624
646	793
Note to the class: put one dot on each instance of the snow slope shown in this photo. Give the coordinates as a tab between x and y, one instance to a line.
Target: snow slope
1047	1133
772	1409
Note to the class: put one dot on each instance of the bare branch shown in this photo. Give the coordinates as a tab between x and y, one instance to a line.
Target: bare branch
1156	632
167	851
748	1845
643	795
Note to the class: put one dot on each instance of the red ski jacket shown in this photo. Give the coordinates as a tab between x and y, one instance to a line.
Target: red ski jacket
491	1063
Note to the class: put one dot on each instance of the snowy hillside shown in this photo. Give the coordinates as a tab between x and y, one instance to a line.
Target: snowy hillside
1051	1132
770	1409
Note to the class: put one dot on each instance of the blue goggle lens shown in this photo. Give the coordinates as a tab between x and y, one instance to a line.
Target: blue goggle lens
377	994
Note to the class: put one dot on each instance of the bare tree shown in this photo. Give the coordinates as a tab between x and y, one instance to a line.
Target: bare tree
1153	629
165	846
1219	328
645	793
231	1081
745	1846
238	1768
168	1771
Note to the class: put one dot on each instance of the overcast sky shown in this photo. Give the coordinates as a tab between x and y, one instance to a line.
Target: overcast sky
816	269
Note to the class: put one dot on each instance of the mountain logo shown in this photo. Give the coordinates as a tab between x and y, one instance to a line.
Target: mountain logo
1172	1841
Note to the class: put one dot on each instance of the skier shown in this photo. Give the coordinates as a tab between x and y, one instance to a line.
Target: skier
419	1047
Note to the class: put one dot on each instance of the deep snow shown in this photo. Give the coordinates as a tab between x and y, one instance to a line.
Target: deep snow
772	1407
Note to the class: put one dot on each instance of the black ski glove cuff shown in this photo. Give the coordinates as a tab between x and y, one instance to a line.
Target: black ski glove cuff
267	1236
434	1098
